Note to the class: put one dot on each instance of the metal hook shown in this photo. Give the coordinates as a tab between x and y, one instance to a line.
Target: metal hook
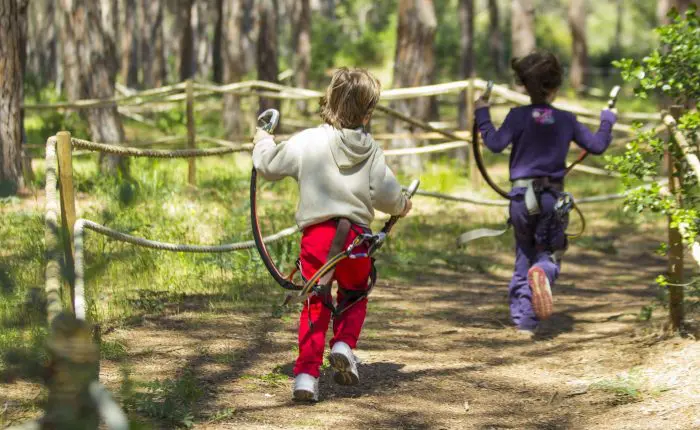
268	120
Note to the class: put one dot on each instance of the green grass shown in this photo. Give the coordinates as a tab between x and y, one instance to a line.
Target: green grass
168	401
627	388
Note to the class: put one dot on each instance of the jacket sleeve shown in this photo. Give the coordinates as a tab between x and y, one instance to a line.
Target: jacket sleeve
275	162
385	191
496	140
595	143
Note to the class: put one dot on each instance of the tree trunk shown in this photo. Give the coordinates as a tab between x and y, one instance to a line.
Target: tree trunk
617	47
92	63
130	46
413	66
663	7
466	64
217	53
523	27
579	61
152	43
249	35
268	69
232	60
28	174
110	18
496	39
11	96
328	9
302	49
42	44
188	60
202	43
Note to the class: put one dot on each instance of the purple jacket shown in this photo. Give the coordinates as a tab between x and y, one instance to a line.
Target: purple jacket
541	135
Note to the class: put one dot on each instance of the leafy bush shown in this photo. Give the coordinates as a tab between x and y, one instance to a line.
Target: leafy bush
673	71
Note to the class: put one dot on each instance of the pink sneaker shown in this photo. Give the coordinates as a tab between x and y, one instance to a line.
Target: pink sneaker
542	301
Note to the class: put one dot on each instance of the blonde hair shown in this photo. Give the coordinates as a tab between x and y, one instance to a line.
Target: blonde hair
351	96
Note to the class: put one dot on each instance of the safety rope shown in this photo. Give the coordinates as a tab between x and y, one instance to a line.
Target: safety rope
79	233
155	153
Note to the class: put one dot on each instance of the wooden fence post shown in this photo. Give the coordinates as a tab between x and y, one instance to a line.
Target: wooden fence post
473	171
675	241
191	135
65	174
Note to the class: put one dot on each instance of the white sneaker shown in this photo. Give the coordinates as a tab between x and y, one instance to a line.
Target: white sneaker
345	364
305	388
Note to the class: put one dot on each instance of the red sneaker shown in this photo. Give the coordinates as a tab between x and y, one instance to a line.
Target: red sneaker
541	293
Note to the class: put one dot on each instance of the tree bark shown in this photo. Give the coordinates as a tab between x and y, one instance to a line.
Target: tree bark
24	32
496	38
579	49
152	46
663	7
413	66
328	9
268	69
249	35
110	18
11	96
466	64
42	46
302	48
620	10
188	60
130	42
232	59
203	47
92	62
466	47
523	27
217	53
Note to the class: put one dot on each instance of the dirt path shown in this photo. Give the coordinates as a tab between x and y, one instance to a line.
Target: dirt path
440	354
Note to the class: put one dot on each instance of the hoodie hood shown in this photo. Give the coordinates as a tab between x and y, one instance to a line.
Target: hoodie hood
351	147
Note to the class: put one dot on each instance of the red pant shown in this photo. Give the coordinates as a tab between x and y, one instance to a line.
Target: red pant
351	274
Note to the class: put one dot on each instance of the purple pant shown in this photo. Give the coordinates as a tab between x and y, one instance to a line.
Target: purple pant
536	239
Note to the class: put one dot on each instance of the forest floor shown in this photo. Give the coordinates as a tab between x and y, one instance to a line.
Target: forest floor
437	349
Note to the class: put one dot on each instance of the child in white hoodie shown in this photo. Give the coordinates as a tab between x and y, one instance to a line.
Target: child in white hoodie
342	173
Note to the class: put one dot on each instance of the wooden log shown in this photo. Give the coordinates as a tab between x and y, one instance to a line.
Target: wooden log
67	199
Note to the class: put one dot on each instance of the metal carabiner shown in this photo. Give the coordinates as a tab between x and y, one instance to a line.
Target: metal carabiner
268	120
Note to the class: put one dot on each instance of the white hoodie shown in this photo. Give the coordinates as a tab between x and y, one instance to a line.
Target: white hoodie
341	174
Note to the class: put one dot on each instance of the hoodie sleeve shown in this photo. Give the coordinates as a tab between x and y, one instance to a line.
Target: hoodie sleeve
385	191
496	140
595	143
275	162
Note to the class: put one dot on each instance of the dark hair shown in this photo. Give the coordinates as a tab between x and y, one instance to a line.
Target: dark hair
351	96
540	72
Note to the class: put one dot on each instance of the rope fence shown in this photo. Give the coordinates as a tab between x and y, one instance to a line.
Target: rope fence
175	93
81	225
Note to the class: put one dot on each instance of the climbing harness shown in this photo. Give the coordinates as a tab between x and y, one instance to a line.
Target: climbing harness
533	186
364	246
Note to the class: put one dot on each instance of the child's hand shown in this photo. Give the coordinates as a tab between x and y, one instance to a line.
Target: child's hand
609	115
481	103
261	134
407	208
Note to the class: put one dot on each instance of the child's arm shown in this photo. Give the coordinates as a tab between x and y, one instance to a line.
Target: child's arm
385	191
495	140
275	162
595	143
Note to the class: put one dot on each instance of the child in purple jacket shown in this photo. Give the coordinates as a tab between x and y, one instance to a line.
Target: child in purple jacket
540	135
